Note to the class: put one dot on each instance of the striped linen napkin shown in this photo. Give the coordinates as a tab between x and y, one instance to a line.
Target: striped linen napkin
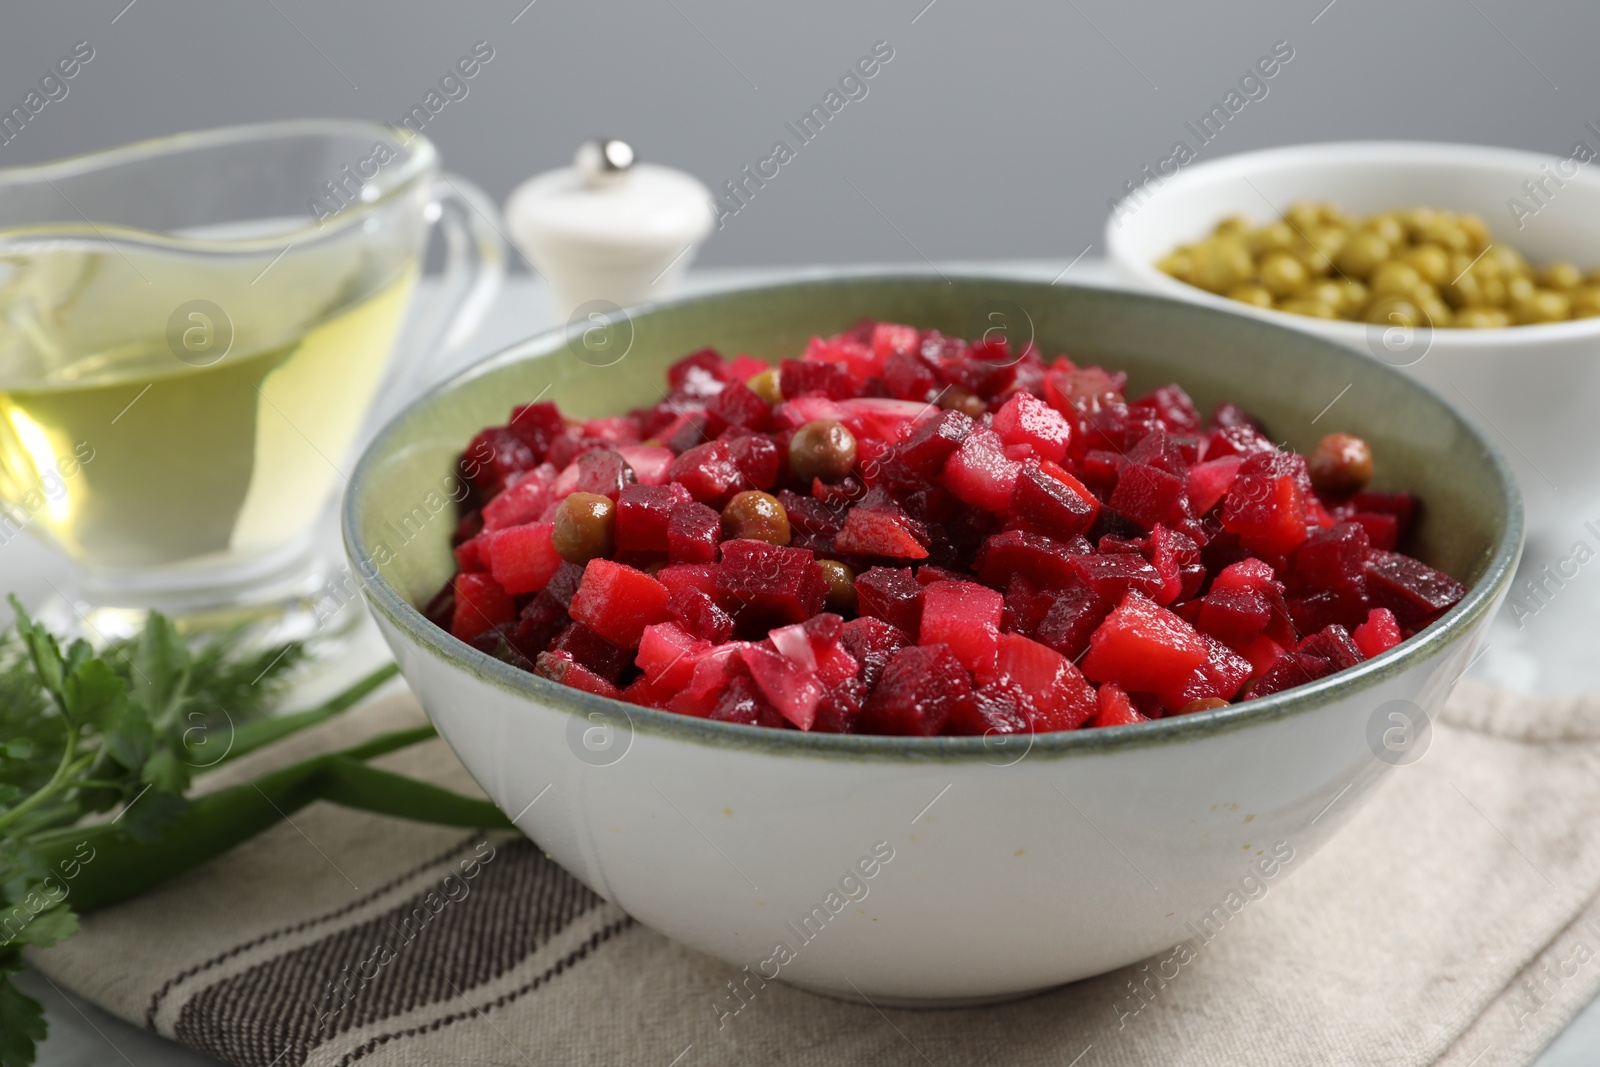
1453	921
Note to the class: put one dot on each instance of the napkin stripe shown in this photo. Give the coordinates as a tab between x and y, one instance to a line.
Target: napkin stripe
423	951
160	994
571	959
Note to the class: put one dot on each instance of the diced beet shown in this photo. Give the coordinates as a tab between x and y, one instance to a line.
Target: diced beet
1168	552
1026	606
1025	419
564	583
1159	449
1253	574
1074	615
1118	427
736	405
1114	708
521	502
1146	495
927	574
699	614
694	370
644	693
918	690
470	555
810	515
841	707
470	526
1112	576
708	472
872	643
1332	558
1403	506
797	378
888	338
1049	501
1295	668
1262	653
692	533
1266	507
689	431
1207	483
854	354
1414	591
997	707
537	425
909	378
603	473
742	701
882	530
920	457
756	457
1333	643
559	667
592	651
965	616
538	623
643	514
679	576
1234	616
764	585
1060	697
891	594
480	605
1046	563
650	463
1102	468
1173	405
980	474
1383	531
614	429
498	643
1219	676
1228	414
618	602
794	691
522	559
1143	647
1237	440
711	675
1378	634
742	367
1313	610
493	457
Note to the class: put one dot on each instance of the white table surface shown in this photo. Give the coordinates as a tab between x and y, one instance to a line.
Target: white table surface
1549	654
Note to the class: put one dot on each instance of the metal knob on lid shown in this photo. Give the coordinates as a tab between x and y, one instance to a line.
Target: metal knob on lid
603	163
608	230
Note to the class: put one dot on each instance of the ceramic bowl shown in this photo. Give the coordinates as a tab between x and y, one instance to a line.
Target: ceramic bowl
952	869
1532	389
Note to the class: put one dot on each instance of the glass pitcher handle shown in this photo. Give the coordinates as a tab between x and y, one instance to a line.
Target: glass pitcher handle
475	267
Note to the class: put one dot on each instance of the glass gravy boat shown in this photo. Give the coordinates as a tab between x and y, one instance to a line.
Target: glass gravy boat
192	333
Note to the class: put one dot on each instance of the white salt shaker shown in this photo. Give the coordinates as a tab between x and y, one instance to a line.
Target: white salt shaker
608	229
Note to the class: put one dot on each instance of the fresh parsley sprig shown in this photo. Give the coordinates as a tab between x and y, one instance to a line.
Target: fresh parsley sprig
83	734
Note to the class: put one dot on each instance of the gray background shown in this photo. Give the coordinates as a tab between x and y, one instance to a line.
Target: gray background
999	129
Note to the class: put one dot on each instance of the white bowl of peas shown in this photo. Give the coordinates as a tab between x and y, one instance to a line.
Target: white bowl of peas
1474	269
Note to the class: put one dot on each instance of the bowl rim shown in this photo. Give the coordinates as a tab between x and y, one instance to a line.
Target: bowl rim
393	609
1306	156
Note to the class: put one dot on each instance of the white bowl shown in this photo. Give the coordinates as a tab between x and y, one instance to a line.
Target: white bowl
980	867
1533	389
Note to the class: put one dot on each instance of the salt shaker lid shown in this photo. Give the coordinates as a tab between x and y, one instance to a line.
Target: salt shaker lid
606	197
